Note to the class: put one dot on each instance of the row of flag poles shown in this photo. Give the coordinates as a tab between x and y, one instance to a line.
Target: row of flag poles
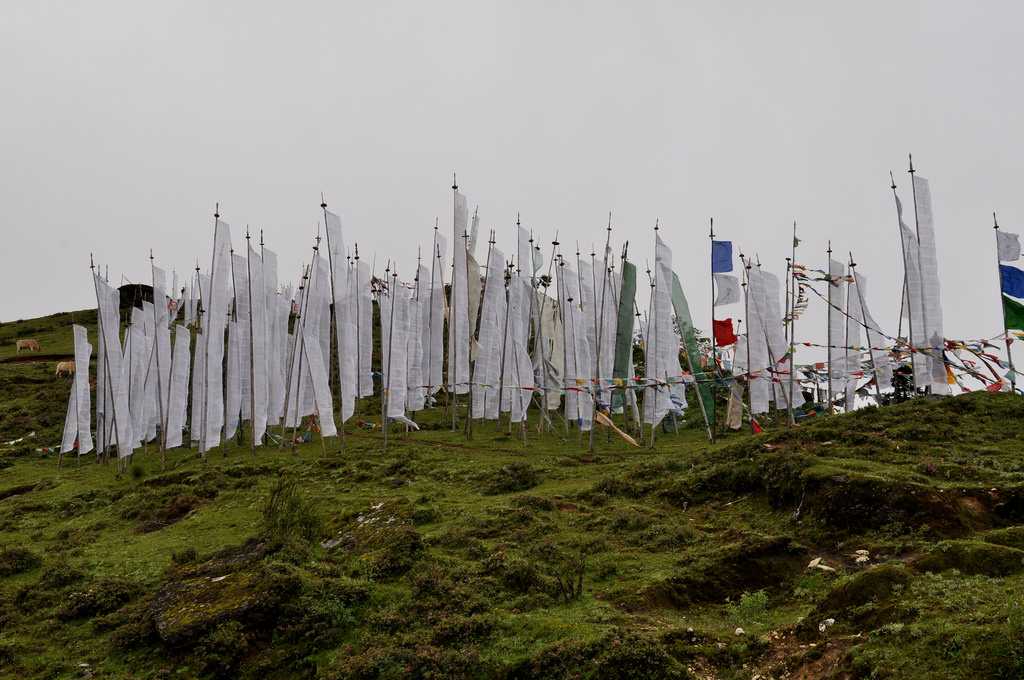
235	344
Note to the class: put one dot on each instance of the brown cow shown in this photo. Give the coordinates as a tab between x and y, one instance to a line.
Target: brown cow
65	368
27	344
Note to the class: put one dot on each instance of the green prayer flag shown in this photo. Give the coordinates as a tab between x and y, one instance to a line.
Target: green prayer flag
1013	313
624	329
685	321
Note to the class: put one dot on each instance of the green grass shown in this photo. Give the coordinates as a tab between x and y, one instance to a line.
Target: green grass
443	557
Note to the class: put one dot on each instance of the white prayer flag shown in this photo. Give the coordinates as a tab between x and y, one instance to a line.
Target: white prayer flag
178	401
728	287
1008	245
76	425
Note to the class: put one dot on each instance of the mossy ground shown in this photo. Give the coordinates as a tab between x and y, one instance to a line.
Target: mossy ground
491	558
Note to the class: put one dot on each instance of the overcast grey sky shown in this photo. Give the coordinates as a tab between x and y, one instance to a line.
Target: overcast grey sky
123	123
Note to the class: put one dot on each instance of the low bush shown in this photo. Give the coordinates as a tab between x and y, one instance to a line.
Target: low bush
99	597
287	513
510	478
16	560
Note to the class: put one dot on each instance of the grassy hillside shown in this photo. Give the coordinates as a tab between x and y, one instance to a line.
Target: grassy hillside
445	558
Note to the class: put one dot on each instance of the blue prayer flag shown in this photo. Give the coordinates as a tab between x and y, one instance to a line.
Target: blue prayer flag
1011	280
721	256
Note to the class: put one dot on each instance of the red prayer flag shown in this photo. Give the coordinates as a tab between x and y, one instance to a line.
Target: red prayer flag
755	427
724	335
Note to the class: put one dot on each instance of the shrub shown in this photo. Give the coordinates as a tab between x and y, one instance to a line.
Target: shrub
287	514
100	597
186	556
517	476
565	568
750	608
17	560
402	548
59	574
221	651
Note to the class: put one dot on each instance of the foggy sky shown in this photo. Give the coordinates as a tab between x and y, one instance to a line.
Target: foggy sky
124	122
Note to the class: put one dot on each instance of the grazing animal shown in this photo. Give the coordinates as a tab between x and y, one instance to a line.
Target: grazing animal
65	368
27	344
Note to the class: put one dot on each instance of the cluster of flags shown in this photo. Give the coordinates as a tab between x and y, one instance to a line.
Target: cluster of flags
1011	278
236	345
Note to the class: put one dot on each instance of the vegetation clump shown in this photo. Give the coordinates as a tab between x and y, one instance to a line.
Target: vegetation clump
288	514
15	560
518	476
101	596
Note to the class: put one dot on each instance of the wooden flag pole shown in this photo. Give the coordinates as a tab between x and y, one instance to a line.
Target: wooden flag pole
906	285
453	349
335	339
599	323
435	258
846	336
206	336
483	293
576	358
562	297
359	333
506	280
300	346
159	376
197	328
864	322
924	308
542	347
385	397
828	326
714	344
652	389
106	362
292	355
791	287
1006	331
746	313
252	350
